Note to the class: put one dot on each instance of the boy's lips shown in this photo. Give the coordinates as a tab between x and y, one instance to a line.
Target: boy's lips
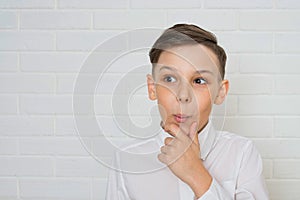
181	118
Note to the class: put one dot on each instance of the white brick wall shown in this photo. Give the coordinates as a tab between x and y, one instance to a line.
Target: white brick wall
43	44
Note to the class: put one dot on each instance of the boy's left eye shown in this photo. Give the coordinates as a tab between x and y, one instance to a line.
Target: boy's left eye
200	81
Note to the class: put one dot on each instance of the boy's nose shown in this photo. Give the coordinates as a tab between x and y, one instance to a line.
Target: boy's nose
184	99
184	95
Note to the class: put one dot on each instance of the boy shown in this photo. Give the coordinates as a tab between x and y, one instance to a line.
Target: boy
188	68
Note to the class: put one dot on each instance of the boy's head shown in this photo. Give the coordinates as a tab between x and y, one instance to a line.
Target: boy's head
187	34
188	68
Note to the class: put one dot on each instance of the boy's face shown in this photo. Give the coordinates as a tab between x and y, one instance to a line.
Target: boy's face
186	83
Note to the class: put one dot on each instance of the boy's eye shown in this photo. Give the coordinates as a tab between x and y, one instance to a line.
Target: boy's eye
200	81
170	79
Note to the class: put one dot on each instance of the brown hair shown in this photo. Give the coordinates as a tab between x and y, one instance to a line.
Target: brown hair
185	34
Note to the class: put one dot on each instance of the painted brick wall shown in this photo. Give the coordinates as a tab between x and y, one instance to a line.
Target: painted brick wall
43	44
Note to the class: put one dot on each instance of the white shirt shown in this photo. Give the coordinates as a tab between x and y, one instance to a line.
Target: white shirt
232	161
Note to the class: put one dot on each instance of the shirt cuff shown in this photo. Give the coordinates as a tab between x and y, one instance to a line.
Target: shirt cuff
215	192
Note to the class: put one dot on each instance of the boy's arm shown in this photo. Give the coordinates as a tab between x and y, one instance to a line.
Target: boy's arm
250	180
181	154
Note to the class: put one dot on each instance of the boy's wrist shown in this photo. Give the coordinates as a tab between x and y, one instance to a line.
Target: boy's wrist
200	181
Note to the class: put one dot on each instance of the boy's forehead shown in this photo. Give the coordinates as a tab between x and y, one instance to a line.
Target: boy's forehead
188	58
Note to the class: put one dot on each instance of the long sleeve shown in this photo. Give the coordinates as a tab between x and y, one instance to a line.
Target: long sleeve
216	192
249	185
115	184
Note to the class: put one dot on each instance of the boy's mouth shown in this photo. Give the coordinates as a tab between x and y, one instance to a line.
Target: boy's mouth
181	118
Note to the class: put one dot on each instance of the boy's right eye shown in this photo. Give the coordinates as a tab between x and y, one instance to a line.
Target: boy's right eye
170	79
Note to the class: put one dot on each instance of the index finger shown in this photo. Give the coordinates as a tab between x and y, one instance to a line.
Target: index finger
172	129
176	131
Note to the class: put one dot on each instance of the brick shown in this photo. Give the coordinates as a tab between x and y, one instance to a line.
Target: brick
107	125
104	149
8	62
286	127
236	4
8	146
141	40
92	4
52	146
129	19
54	188
165	4
268	168
8	188
27	4
250	126
128	83
227	108
8	20
26	125
287	84
286	169
123	105
51	62
26	166
287	42
232	64
278	148
246	42
27	83
55	20
11	40
99	188
135	64
283	189
46	104
250	84
80	167
290	4
269	105
208	19
8	104
270	20
66	83
274	64
121	126
86	126
65	125
106	84
72	40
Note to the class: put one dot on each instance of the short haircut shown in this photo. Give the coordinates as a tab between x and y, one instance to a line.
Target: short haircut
187	34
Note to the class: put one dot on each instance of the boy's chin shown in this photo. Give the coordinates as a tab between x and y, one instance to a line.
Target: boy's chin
185	127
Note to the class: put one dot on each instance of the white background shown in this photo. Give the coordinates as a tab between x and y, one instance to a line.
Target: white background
43	44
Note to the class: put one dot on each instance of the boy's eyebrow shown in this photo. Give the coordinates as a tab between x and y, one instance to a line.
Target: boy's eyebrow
202	71
168	68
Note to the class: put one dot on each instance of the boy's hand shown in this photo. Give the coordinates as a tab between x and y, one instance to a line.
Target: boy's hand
182	155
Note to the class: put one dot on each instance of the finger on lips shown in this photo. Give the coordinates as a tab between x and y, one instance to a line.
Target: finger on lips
171	129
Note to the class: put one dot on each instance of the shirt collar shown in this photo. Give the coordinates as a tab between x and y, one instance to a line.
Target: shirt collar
206	139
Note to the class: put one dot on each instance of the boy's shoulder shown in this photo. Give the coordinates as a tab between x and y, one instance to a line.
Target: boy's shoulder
234	140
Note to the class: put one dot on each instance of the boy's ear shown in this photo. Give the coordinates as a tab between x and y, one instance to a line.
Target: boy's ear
222	93
151	87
